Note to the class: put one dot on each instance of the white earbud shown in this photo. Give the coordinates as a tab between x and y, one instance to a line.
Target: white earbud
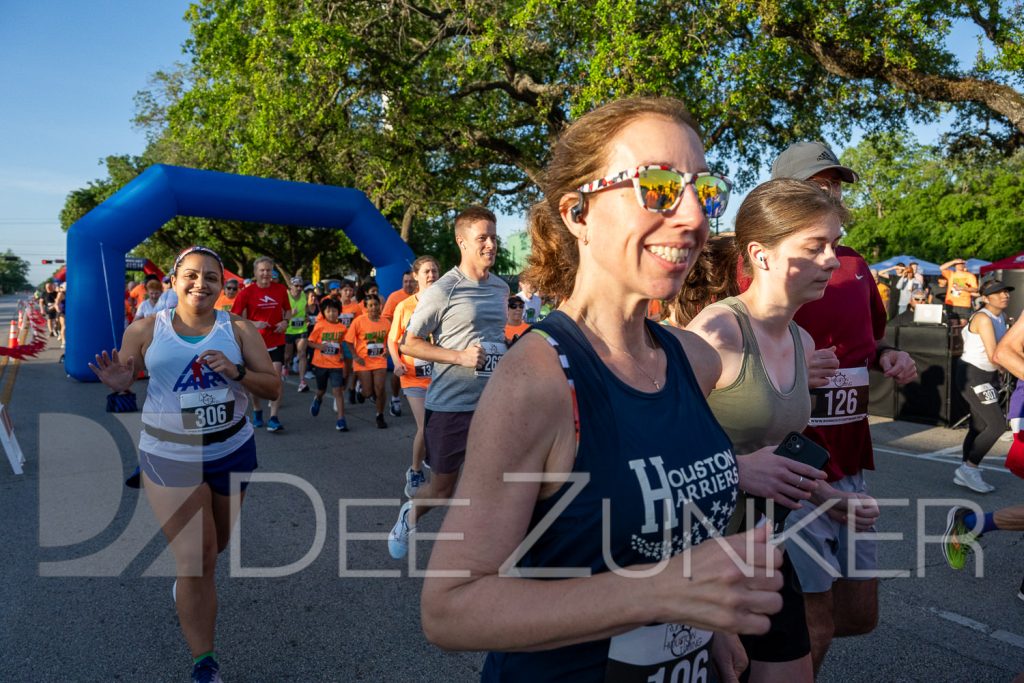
764	261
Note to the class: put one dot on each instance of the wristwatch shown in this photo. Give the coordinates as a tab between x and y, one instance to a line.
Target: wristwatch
241	372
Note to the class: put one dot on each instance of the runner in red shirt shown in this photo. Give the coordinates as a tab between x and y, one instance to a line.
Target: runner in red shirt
265	303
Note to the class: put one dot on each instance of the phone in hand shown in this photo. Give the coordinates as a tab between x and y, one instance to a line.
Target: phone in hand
796	446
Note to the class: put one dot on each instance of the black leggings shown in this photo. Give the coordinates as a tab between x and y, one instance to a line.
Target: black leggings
980	388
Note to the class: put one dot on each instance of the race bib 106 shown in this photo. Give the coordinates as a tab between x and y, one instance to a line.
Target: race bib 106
664	653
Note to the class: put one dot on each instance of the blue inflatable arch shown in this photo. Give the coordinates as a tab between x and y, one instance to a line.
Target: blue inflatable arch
98	242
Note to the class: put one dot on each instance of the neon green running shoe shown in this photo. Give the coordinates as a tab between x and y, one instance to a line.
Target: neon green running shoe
958	541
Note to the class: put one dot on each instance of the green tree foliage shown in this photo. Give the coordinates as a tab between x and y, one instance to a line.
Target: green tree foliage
13	273
430	106
913	200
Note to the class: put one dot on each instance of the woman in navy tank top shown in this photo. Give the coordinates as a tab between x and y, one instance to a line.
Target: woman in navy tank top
195	434
598	482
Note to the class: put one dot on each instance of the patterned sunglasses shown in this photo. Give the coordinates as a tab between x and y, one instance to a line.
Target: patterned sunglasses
659	188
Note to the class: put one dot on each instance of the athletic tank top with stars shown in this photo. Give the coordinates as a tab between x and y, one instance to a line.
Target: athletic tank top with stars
658	476
187	398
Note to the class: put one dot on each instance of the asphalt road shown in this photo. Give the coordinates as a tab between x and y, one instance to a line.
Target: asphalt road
86	588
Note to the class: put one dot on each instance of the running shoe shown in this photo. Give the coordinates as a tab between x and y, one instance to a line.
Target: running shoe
413	481
206	670
381	424
309	375
314	407
958	540
396	408
341	425
257	418
274	425
970	477
303	387
398	539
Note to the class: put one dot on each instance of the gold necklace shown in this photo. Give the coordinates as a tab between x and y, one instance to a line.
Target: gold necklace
647	335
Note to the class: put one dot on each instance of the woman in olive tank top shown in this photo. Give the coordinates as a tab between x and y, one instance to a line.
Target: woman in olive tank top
786	234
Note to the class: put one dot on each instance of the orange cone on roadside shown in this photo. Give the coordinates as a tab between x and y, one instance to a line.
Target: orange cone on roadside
12	339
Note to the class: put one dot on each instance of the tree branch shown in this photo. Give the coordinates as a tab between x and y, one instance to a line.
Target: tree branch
854	64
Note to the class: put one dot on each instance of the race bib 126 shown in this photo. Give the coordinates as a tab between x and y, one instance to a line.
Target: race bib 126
493	351
844	399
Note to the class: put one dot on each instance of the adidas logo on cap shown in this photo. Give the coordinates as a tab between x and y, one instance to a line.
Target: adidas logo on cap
827	155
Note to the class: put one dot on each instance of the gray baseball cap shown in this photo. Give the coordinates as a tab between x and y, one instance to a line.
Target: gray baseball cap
803	160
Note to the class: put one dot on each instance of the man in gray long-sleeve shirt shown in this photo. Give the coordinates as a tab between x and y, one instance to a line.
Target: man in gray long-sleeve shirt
464	314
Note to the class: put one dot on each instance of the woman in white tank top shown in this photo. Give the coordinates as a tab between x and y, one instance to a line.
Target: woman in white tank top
977	378
195	434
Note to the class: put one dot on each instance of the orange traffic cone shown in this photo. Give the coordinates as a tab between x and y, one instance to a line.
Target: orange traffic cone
12	339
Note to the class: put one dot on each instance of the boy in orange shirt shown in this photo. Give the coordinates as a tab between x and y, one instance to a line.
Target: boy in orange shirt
328	339
367	336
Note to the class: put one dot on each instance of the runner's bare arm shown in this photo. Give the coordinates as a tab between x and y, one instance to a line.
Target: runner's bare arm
528	397
1010	349
396	357
982	326
473	357
716	327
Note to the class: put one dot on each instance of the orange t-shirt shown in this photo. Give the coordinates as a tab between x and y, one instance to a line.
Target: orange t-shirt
138	294
330	335
350	312
394	299
956	295
514	333
224	303
417	372
367	339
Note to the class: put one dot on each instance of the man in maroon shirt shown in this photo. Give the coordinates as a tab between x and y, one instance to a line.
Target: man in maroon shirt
266	304
849	319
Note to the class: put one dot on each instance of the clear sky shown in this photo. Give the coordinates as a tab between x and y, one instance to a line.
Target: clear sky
70	71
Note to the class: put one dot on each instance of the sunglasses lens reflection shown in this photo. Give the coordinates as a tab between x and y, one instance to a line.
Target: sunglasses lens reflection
660	189
713	193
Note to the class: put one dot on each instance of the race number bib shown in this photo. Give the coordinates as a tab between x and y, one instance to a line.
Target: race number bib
986	393
423	368
346	319
843	400
203	412
298	322
493	351
330	348
664	653
374	349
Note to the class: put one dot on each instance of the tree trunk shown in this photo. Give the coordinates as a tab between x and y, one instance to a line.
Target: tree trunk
410	211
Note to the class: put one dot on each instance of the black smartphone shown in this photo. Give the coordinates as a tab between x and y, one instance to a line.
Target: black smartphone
796	446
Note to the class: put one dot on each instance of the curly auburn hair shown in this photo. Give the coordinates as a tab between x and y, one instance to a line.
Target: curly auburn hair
772	212
579	157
